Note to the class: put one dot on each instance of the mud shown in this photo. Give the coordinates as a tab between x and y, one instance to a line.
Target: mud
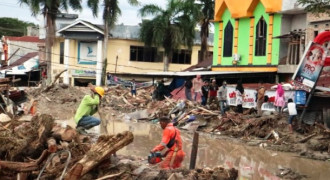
246	129
252	162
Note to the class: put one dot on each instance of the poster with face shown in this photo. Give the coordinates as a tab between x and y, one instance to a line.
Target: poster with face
310	66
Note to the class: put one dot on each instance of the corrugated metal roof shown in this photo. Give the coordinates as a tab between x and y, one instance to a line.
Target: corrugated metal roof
24	39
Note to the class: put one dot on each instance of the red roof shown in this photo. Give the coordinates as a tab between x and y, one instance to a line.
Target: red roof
25	39
21	60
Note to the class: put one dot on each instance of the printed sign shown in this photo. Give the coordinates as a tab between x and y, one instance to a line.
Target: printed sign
310	66
87	52
300	97
83	73
249	100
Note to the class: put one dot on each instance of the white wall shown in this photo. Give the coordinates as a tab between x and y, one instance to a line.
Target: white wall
24	48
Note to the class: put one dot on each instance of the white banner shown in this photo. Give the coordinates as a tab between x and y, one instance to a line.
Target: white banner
87	52
249	100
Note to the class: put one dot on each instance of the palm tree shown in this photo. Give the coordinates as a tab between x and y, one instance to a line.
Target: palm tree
50	8
207	9
111	11
170	28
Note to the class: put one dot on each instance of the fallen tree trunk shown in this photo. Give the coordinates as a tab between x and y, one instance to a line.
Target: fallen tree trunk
104	146
23	166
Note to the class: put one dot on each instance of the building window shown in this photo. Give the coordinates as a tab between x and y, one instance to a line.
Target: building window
181	57
228	40
261	38
316	33
61	52
145	54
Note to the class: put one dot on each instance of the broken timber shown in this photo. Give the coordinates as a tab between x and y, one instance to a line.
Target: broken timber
105	146
24	166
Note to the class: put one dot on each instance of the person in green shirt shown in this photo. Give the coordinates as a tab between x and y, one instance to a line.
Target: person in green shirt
88	106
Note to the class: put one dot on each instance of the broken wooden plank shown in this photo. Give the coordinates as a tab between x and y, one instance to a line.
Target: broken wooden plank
24	166
110	176
203	109
105	146
53	83
307	138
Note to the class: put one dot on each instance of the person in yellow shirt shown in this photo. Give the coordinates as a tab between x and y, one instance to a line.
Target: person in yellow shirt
88	106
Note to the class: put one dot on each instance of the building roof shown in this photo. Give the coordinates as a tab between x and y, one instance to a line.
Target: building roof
129	32
25	39
81	29
206	64
21	60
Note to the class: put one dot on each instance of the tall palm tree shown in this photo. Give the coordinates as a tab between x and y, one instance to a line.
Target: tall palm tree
111	12
50	8
207	9
170	27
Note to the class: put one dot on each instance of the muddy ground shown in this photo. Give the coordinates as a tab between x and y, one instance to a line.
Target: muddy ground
269	131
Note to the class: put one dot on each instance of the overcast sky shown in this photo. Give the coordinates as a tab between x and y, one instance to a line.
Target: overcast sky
129	14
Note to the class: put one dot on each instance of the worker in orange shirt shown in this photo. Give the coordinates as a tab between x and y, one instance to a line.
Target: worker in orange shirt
172	140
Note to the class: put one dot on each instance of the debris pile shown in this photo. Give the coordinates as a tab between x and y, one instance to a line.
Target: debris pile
42	149
269	131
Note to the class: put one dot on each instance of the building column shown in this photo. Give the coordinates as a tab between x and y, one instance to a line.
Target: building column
99	63
270	39
66	60
236	36
251	41
220	42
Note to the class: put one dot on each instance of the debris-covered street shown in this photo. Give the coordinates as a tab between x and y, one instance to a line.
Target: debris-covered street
235	142
164	90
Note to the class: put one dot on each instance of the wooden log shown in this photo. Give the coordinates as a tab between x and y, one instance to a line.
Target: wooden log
105	146
307	138
23	166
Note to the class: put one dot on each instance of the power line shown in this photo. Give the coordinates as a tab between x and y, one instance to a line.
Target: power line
118	65
89	67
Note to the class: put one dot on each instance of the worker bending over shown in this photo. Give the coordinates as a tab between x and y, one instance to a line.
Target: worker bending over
172	140
88	106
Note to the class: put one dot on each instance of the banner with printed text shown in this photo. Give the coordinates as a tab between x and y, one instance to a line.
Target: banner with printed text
310	67
249	100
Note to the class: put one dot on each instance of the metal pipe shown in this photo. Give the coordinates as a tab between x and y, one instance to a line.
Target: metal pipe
49	160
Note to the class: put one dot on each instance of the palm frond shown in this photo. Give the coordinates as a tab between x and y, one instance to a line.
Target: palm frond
75	4
150	9
134	2
94	6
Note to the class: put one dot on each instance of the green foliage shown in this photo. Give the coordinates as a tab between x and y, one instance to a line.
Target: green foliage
51	7
111	10
316	6
170	27
13	27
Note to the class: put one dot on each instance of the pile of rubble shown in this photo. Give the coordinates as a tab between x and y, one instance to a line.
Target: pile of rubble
42	149
269	131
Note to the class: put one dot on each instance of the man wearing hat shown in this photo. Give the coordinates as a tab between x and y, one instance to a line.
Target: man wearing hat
88	106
